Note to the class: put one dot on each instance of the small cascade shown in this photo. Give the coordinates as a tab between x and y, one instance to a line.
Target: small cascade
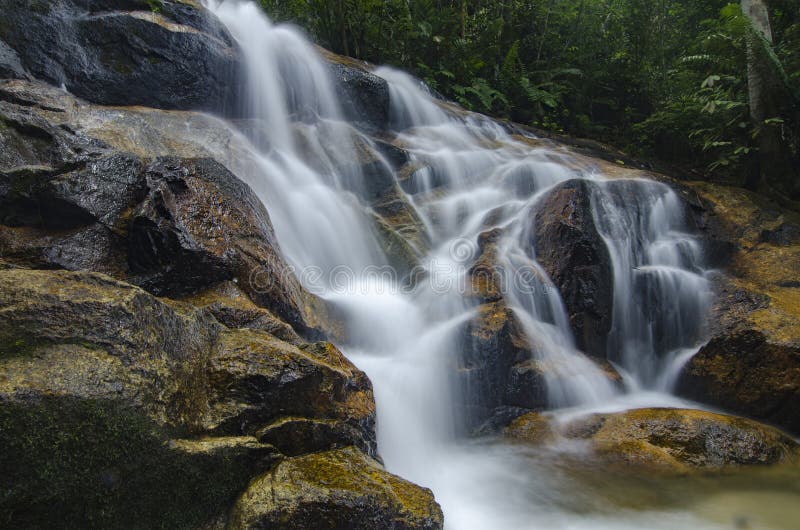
471	177
661	296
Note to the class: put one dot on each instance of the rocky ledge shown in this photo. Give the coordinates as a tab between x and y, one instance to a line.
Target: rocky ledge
114	402
751	364
666	441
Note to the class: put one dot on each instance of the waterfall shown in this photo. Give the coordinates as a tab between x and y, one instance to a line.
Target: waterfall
472	176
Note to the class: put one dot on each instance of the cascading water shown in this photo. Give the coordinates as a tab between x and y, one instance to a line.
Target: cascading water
472	176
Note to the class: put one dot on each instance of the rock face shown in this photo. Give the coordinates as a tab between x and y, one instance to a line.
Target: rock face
665	440
164	54
751	364
493	360
170	402
114	402
572	251
334	490
173	226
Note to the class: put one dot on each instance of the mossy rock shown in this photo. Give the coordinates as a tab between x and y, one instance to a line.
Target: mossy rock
88	336
667	441
233	308
76	463
334	490
751	362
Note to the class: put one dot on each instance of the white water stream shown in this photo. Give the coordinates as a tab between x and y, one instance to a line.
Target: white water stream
472	176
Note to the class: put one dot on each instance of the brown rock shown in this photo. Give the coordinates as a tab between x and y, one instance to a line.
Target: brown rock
334	490
574	255
671	441
751	364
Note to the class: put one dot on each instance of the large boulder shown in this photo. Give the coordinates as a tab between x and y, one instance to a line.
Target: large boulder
163	54
751	363
500	373
115	403
672	441
258	383
571	250
331	491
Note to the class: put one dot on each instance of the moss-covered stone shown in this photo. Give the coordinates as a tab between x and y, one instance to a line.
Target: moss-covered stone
257	379
87	335
671	441
94	371
334	490
78	463
751	364
233	308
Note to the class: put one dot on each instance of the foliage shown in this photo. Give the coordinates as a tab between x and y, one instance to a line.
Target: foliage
663	78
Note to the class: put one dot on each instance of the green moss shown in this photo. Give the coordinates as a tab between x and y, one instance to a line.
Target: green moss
70	463
155	5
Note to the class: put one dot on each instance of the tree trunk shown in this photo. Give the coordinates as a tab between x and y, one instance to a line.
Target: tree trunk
772	165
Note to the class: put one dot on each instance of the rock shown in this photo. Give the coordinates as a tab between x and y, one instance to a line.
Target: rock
750	371
94	191
671	441
499	369
172	225
365	95
333	490
113	402
125	52
199	225
573	253
77	463
486	280
751	363
10	65
493	345
256	380
88	336
234	309
297	436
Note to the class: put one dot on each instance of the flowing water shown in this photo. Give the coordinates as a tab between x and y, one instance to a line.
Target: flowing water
470	175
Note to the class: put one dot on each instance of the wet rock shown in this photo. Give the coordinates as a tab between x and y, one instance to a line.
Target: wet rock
200	225
152	400
297	436
10	65
751	363
233	308
256	379
174	226
672	441
332	490
570	248
486	280
493	344
126	52
365	95
96	191
88	336
747	372
77	463
500	370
